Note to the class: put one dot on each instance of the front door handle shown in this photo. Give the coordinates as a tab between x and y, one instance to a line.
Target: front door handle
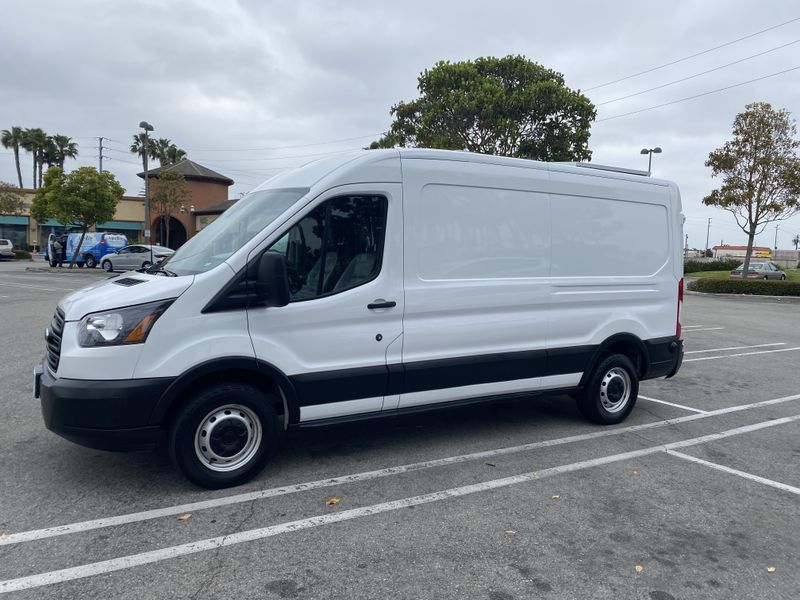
381	303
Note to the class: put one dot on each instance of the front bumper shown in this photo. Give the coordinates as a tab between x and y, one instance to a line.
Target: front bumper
102	414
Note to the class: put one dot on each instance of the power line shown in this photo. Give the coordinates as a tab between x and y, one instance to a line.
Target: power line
722	89
696	54
360	137
658	87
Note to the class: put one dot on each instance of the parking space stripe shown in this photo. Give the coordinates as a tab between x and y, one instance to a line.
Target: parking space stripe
735	348
724	469
37	534
689	408
27	286
741	354
143	558
704	329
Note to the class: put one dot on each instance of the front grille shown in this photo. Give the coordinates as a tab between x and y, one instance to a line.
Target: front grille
54	340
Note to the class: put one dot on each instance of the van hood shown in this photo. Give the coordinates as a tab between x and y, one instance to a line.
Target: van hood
126	290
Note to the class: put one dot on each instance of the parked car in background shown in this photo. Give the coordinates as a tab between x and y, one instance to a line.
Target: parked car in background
759	270
6	249
95	245
135	256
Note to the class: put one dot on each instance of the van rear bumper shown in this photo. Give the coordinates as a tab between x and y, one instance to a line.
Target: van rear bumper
665	356
102	414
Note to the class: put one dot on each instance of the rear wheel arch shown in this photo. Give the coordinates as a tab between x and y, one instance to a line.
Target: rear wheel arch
626	344
259	374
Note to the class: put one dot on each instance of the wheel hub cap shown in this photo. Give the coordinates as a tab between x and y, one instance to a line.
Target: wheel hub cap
615	390
228	438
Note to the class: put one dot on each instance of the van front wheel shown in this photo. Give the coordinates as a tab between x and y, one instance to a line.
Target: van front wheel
90	261
225	435
611	392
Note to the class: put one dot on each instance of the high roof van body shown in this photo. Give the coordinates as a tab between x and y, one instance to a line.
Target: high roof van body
372	284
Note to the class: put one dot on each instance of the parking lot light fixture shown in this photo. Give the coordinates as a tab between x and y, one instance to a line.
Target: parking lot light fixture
650	152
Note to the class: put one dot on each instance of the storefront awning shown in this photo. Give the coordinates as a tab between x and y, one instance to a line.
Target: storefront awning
120	225
13	220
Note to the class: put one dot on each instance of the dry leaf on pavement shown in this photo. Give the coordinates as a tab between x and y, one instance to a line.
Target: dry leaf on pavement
333	501
3	536
771	569
511	531
185	517
556	497
638	568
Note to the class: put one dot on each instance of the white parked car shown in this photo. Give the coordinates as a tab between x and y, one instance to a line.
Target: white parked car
135	256
6	249
371	284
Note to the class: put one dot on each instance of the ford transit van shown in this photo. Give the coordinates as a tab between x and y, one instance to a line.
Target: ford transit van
372	284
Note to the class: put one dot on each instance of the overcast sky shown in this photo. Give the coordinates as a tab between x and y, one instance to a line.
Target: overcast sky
251	88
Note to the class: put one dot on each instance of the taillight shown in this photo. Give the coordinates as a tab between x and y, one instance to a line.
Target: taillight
680	306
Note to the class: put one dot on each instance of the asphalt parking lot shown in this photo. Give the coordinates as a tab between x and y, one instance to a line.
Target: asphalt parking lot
696	495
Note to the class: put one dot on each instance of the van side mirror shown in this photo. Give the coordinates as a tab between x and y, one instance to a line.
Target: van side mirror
272	284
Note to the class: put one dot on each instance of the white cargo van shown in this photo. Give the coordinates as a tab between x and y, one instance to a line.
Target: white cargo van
372	284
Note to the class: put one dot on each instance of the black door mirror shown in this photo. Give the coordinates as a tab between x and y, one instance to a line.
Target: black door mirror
272	285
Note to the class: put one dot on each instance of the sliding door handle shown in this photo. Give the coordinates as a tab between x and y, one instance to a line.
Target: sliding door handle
381	303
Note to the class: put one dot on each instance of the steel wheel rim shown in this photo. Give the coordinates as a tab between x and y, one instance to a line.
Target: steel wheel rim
615	389
228	438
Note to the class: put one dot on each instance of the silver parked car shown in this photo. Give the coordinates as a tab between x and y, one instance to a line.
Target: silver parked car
759	270
6	249
135	256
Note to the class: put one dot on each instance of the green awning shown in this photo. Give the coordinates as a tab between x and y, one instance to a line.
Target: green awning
9	220
120	225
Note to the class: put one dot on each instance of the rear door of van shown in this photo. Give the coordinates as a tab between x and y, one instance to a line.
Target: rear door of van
476	259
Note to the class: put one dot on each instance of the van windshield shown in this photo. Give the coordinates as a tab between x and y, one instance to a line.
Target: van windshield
231	230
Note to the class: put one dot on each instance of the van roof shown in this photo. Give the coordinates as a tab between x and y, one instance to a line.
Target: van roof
314	171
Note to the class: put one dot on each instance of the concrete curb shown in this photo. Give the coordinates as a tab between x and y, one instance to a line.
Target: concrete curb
64	270
748	297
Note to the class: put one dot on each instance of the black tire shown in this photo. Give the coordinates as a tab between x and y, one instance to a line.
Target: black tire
765	278
243	410
146	264
80	265
90	261
783	277
600	406
107	266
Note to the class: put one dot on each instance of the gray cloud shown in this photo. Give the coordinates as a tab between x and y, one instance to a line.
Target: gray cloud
232	75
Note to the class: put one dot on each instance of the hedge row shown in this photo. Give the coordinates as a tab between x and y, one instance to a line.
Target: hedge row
745	286
729	264
22	254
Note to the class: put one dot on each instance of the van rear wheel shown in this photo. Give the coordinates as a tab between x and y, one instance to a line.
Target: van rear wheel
225	435
90	261
610	395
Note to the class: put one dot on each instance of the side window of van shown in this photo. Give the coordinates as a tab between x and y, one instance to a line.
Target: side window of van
335	247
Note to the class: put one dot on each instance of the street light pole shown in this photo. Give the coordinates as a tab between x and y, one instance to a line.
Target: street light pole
146	233
650	152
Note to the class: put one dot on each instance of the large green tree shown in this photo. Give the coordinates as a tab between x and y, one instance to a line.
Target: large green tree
11	200
14	139
760	171
82	198
169	195
509	106
35	142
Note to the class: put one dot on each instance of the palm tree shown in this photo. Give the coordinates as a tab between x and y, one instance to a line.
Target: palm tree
137	147
796	241
160	148
175	155
13	138
62	148
35	141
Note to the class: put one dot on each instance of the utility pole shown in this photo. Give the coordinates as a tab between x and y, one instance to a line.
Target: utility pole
686	248
100	139
708	231
776	237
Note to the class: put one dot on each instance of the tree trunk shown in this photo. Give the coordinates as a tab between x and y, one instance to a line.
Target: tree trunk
16	160
749	253
33	185
166	219
41	162
78	248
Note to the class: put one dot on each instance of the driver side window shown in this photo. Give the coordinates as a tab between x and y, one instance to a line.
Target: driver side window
335	247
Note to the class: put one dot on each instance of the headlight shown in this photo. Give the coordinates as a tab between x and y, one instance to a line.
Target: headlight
121	326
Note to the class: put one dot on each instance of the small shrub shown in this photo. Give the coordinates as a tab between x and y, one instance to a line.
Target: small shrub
728	264
745	286
22	254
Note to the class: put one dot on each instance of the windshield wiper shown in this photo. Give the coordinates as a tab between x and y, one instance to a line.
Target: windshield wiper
157	269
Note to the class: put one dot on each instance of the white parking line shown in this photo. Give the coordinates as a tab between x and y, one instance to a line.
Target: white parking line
689	408
735	348
741	354
37	534
143	558
690	326
703	329
724	469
